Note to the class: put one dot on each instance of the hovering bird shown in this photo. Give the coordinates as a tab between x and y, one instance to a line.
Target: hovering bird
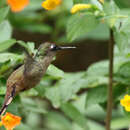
30	73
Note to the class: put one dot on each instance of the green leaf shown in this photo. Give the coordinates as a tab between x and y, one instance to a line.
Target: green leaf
23	127
123	3
8	62
70	85
111	8
99	68
120	123
118	91
3	13
96	95
121	40
31	92
111	11
29	104
5	31
124	70
65	89
23	44
93	125
2	90
6	44
103	35
60	121
4	57
80	24
55	72
29	46
74	115
53	94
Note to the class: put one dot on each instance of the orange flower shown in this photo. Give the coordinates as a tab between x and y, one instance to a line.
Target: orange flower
10	121
17	5
51	4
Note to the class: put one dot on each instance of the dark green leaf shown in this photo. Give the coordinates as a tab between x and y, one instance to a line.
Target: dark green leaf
123	3
79	1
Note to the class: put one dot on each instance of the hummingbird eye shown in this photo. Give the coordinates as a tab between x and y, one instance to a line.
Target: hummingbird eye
53	47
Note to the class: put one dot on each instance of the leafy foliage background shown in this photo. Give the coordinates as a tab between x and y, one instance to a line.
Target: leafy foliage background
62	100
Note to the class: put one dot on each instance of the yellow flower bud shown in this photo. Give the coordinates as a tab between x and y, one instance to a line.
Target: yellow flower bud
51	4
79	7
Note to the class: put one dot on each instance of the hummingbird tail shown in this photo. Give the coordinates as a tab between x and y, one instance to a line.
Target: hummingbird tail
7	102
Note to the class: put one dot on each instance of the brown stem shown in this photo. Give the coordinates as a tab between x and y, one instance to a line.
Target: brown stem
109	101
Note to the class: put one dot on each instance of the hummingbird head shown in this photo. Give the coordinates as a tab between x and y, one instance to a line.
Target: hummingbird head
48	49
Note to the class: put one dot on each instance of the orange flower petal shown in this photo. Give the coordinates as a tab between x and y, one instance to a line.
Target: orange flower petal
51	4
17	5
10	121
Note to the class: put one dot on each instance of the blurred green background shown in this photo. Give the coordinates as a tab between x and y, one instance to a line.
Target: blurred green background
69	96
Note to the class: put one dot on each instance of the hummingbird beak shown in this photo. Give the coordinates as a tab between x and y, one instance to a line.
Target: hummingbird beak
65	47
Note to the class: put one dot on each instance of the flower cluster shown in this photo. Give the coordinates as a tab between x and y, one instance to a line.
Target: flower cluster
10	121
126	102
19	5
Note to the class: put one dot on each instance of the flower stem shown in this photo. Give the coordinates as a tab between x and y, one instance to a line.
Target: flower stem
110	98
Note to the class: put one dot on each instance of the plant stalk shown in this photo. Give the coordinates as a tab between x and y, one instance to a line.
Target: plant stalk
109	89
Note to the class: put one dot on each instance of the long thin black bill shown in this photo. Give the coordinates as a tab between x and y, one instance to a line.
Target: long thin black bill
66	47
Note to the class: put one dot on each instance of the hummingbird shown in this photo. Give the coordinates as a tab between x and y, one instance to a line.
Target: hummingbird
30	73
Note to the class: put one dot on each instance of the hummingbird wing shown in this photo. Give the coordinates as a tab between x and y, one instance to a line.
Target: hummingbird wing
28	62
8	101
